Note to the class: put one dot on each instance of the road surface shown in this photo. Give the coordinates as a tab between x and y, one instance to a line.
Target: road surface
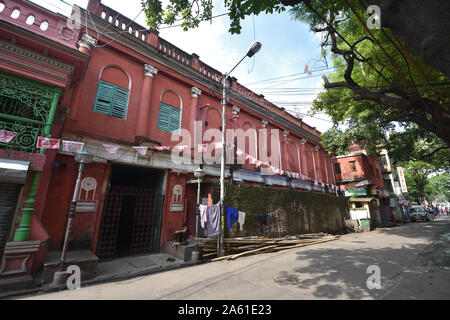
413	261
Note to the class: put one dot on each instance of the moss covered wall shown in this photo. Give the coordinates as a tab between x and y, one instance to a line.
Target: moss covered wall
297	212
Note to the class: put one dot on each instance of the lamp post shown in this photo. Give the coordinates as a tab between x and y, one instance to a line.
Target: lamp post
255	47
199	174
82	158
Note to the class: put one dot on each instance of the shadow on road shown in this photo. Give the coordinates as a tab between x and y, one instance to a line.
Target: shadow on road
333	271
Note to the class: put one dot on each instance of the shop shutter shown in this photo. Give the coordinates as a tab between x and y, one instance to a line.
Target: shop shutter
9	194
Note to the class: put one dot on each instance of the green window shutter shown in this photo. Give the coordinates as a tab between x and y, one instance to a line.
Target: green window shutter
111	100
164	117
174	119
119	106
168	118
104	97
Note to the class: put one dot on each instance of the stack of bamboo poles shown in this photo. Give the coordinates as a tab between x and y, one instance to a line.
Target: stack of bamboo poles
244	246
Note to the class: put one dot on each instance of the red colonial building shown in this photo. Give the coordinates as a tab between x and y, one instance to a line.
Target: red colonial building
136	91
39	65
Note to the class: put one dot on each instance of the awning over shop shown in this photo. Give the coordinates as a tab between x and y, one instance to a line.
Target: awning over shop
13	171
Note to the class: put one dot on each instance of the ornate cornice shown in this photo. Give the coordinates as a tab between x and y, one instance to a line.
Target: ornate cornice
35	57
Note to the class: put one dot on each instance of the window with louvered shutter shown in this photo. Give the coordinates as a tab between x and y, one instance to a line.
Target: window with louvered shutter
168	118
111	100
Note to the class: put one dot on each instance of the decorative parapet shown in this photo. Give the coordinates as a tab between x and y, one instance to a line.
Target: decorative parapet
34	18
174	52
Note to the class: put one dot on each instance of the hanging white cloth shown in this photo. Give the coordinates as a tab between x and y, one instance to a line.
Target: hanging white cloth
241	220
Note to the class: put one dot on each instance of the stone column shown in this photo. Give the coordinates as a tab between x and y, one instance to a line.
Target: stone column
318	164
194	113
87	43
285	151
144	105
303	158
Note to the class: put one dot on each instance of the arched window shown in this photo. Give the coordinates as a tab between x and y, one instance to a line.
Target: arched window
170	106
112	92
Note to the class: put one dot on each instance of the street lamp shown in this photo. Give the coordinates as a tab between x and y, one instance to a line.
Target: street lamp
255	47
82	158
199	174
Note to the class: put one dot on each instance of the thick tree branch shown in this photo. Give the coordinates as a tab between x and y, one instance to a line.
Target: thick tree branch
419	106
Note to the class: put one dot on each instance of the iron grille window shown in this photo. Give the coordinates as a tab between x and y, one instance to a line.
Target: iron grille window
111	100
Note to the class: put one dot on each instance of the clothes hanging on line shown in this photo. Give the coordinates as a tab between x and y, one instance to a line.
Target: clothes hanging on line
213	222
262	218
202	232
232	215
241	220
203	216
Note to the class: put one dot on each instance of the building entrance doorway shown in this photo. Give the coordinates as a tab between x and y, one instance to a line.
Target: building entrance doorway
131	221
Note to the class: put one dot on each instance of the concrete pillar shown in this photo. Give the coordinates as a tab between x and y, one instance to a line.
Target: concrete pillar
144	105
194	112
319	166
285	156
303	158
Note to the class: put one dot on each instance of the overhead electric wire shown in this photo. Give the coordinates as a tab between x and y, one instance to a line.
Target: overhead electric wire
291	75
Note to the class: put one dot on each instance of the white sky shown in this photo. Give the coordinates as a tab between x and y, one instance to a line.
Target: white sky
286	47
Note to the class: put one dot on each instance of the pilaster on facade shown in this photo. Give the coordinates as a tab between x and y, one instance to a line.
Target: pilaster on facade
87	42
149	70
235	113
195	92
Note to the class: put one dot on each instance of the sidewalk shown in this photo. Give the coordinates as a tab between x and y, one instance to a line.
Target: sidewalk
117	270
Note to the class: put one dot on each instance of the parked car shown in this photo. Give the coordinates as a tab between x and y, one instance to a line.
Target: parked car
418	212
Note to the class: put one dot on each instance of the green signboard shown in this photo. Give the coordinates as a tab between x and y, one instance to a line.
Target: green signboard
361	191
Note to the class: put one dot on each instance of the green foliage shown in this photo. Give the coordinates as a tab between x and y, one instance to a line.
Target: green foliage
438	188
416	176
191	13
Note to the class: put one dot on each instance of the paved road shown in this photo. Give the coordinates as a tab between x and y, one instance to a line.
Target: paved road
414	261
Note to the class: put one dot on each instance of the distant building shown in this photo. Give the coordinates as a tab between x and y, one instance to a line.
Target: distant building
360	175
